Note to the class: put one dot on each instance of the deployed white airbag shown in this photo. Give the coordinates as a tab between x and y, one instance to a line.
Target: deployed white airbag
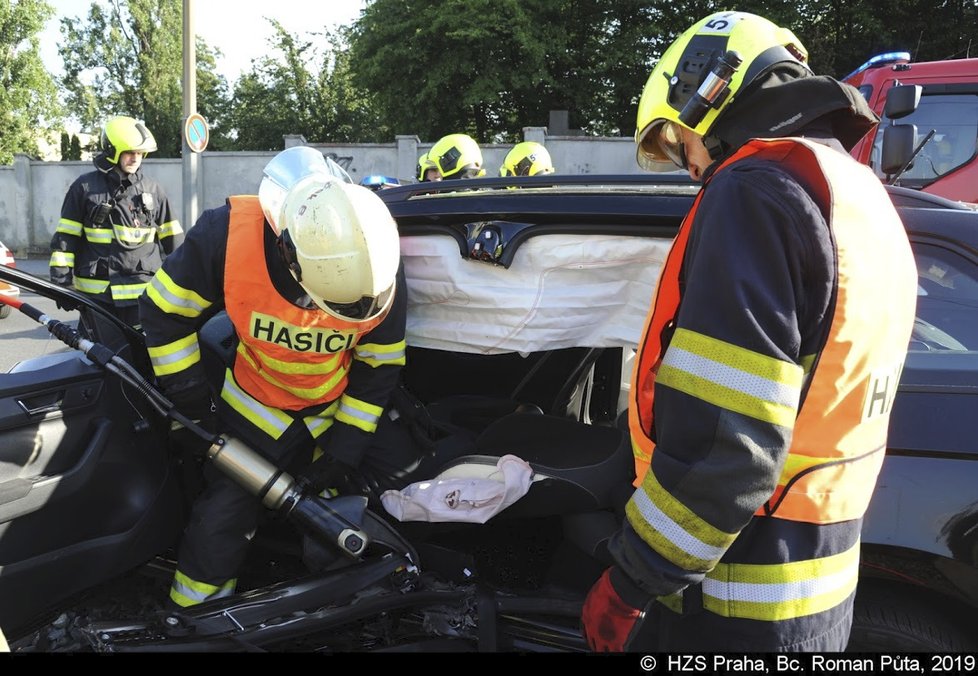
561	291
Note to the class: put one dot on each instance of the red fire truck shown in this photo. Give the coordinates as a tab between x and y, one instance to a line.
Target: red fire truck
937	147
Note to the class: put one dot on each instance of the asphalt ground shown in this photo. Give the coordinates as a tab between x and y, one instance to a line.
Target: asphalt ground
20	336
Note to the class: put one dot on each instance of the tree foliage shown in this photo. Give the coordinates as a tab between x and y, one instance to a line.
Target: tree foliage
843	34
70	147
74	148
491	67
485	67
28	96
300	89
126	58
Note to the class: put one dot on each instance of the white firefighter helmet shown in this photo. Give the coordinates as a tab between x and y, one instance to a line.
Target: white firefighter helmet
341	244
286	170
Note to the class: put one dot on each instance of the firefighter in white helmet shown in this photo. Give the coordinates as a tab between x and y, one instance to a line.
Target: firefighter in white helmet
309	274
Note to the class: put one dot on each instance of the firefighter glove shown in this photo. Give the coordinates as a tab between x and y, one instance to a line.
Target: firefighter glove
329	476
613	611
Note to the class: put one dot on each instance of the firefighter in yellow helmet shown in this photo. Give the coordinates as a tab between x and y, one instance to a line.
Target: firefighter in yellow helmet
116	224
763	381
528	158
308	271
455	156
426	170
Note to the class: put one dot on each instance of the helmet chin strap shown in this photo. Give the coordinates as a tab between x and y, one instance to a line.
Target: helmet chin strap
715	146
102	163
286	249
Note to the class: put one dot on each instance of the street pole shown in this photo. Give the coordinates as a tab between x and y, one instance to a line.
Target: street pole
190	159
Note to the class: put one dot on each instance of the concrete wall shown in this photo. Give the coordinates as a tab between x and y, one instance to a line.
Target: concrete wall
31	192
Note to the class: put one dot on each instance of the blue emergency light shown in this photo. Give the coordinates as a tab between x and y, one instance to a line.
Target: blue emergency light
378	181
880	60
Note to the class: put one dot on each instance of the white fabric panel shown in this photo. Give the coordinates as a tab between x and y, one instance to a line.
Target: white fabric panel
560	291
466	493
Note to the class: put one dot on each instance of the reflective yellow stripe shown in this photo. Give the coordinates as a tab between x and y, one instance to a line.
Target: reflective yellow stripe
185	591
639	452
673	602
271	421
318	424
127	291
173	298
296	366
66	226
673	530
98	235
796	463
359	413
781	591
170	228
311	394
62	259
176	356
87	285
378	354
732	377
130	234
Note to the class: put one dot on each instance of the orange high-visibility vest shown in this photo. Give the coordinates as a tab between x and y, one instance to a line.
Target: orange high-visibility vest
287	357
839	437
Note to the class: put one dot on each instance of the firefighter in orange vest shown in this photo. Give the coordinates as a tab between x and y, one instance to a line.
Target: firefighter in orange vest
765	374
309	274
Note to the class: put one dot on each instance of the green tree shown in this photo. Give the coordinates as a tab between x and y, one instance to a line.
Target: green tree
126	58
841	35
28	96
302	90
491	67
65	145
74	149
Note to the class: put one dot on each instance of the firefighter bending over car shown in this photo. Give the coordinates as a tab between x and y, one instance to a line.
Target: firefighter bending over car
769	361
309	273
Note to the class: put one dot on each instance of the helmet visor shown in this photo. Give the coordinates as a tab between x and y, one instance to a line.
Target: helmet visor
662	142
365	309
470	171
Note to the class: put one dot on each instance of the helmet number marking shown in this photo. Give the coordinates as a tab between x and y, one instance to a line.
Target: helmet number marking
723	24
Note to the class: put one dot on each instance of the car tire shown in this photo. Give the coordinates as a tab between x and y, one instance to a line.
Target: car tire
884	621
4	311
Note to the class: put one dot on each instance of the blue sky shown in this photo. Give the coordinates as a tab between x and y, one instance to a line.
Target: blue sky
236	27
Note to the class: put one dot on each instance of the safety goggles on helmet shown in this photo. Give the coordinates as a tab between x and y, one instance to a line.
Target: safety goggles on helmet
364	309
469	171
664	143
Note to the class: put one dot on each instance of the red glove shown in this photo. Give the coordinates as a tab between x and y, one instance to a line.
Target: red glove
607	619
